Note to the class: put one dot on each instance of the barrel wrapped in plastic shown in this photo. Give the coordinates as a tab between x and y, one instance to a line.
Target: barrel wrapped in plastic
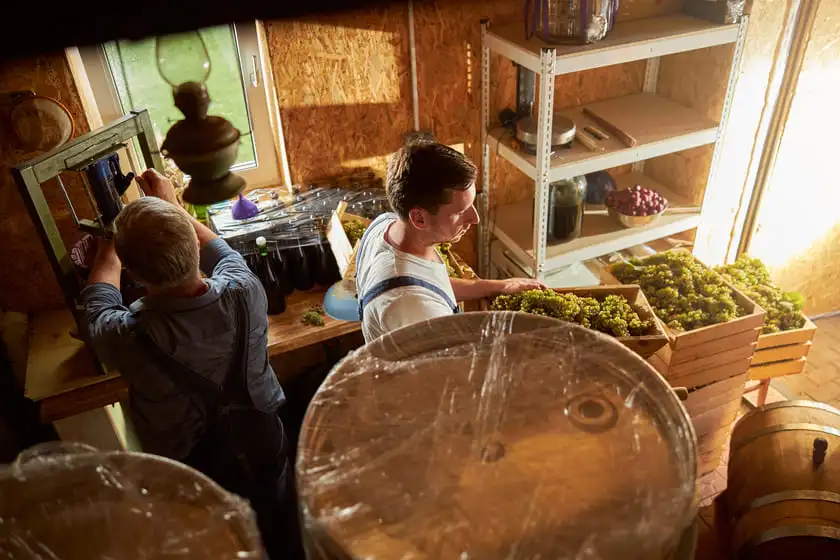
68	502
492	436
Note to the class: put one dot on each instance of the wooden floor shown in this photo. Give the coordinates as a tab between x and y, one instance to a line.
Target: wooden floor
819	382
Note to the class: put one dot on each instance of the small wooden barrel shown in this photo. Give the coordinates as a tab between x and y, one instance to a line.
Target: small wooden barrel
783	492
88	504
495	435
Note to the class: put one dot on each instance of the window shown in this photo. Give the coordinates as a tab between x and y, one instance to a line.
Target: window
124	76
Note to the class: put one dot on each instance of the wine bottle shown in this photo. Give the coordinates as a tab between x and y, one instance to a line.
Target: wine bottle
275	291
328	269
301	271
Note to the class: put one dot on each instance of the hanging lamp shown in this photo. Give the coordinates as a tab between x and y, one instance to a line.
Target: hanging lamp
203	146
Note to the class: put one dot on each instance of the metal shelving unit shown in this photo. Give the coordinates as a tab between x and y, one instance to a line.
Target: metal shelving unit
660	126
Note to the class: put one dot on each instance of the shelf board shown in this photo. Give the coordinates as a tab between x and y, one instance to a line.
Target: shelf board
634	40
601	234
660	126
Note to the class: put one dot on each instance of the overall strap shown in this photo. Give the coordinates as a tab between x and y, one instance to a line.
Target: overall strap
210	394
376	221
400	282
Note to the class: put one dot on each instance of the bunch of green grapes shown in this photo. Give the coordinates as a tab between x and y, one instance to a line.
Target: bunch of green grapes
612	316
783	309
443	249
354	230
685	294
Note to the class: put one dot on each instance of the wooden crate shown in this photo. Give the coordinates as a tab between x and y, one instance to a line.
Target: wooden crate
713	408
645	346
782	353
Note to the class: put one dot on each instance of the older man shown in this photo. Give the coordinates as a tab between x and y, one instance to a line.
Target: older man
194	351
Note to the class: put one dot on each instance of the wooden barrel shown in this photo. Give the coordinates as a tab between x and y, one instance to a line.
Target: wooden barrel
495	435
89	504
783	491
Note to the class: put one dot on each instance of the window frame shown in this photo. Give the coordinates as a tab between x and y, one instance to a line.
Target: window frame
271	168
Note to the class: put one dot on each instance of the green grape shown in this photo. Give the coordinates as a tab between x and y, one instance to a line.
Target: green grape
354	230
783	310
683	293
613	315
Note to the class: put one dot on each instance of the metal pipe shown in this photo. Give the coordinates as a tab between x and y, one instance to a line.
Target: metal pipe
415	98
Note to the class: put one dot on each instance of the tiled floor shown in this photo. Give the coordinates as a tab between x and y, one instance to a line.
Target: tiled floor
821	379
819	382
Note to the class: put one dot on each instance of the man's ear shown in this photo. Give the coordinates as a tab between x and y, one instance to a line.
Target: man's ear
418	218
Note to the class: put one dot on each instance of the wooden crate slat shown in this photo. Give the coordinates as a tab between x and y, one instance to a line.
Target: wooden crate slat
715	394
701	378
717	418
716	346
777	369
714	360
796	336
780	353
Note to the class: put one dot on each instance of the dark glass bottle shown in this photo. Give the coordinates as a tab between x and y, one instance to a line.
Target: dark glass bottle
283	268
328	273
313	257
301	271
275	291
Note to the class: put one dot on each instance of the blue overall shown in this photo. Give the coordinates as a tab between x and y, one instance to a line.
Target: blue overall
397	281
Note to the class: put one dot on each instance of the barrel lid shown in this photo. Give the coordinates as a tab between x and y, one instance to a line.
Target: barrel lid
76	503
496	435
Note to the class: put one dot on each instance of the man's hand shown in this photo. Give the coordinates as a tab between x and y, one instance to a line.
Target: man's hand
516	285
153	183
466	290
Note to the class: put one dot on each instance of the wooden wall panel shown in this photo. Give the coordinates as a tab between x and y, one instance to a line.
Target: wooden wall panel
27	281
342	84
696	79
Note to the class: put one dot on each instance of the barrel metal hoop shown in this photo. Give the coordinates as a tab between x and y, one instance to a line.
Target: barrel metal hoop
787	404
787	531
789	495
804	426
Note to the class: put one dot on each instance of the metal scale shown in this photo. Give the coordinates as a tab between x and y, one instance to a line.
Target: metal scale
94	156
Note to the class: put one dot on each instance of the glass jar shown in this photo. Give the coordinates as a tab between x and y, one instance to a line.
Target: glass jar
566	201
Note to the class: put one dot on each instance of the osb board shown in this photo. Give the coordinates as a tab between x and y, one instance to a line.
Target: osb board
795	336
27	279
725	201
343	84
799	236
696	79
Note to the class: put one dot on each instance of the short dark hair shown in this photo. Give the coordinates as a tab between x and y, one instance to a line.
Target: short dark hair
424	174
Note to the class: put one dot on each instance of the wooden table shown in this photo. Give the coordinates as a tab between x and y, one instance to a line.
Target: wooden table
287	333
65	378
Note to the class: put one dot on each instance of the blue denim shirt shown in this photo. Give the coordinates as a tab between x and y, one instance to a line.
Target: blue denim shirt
199	332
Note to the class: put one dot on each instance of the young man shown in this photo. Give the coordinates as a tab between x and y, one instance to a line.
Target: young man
194	352
400	279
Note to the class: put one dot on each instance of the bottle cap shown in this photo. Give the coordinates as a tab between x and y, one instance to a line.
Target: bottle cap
261	242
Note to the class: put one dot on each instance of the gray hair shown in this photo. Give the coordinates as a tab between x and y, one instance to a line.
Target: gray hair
156	242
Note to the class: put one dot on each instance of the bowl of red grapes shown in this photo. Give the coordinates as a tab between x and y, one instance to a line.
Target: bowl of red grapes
636	206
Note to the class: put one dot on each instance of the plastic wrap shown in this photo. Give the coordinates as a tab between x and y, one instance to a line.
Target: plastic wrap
495	435
67	502
300	221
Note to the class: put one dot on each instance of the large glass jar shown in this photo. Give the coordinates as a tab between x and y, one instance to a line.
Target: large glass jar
566	201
